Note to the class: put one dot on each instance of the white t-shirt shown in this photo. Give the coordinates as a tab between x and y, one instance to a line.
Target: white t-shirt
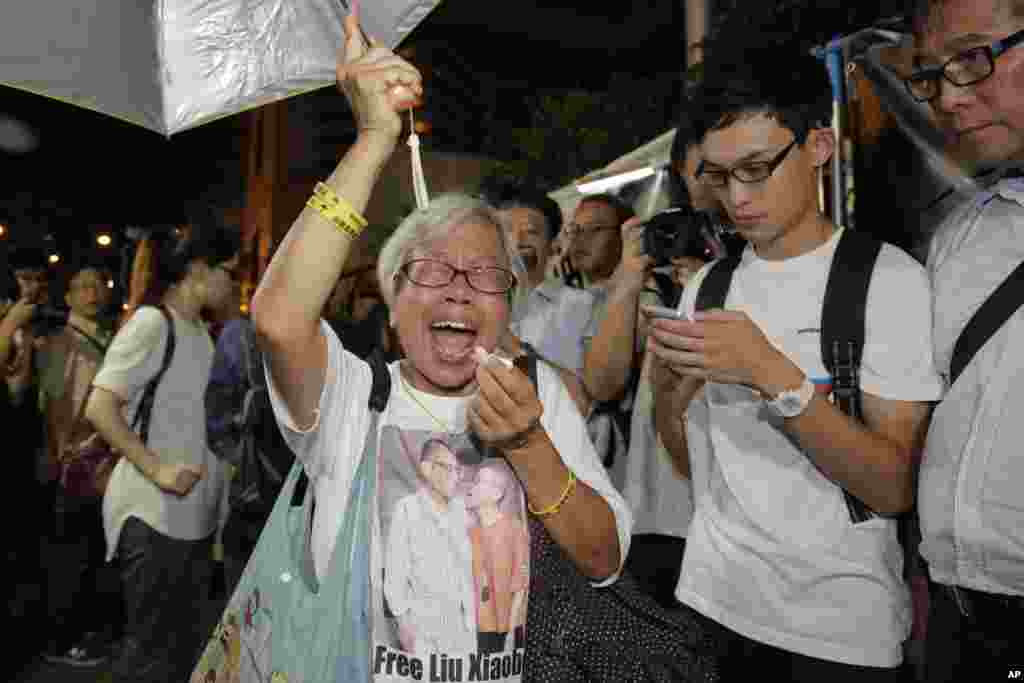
450	580
660	497
772	553
177	429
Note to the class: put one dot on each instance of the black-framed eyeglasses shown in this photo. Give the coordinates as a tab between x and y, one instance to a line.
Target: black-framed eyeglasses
232	272
427	272
754	172
962	69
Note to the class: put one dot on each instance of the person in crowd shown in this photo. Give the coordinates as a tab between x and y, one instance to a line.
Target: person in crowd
79	614
240	425
163	503
23	590
660	496
620	274
596	237
32	276
447	277
13	318
773	556
31	500
970	68
553	317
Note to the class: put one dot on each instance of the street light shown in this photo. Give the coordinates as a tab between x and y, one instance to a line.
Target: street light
54	258
3	230
103	239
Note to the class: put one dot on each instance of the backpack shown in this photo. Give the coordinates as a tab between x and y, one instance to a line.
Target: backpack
261	457
842	323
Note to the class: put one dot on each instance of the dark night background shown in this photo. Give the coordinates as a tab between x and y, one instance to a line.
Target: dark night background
490	65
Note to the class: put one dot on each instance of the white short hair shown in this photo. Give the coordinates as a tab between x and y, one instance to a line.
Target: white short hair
443	213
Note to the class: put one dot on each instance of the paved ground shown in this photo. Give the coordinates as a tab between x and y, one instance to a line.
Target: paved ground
26	636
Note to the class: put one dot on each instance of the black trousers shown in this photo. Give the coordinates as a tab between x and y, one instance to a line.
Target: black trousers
988	645
166	582
80	595
743	659
655	561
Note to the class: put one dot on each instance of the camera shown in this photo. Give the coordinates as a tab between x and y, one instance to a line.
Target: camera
47	319
683	231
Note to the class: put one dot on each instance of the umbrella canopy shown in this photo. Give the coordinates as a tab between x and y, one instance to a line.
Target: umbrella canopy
170	65
650	192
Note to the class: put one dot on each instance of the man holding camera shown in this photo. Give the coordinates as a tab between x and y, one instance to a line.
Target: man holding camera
802	591
659	494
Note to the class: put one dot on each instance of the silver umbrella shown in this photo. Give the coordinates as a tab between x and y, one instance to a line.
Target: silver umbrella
171	65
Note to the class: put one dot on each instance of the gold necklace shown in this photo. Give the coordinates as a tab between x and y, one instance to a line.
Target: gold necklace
409	392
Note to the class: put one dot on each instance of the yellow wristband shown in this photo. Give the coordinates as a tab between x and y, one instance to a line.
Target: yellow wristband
552	509
335	209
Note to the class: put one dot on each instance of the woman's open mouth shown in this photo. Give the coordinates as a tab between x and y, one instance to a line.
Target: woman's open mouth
453	340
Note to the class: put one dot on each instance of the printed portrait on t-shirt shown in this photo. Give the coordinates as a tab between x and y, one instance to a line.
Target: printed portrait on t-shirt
455	561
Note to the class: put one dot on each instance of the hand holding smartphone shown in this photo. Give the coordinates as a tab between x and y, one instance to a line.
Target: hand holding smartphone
665	312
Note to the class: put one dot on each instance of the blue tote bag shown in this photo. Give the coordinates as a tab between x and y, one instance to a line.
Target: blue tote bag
282	625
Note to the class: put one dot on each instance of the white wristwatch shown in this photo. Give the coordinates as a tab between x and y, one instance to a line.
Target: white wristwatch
792	402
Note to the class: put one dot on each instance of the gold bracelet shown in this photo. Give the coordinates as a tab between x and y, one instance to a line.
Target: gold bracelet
337	210
552	509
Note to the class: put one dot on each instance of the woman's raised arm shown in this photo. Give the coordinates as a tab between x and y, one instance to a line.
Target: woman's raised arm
287	304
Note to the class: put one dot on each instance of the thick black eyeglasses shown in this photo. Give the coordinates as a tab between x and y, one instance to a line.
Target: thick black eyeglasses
962	69
745	173
427	272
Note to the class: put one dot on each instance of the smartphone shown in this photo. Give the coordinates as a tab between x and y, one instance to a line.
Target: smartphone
665	312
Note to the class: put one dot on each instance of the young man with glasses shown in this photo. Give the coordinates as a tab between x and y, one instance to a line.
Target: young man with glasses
970	68
801	591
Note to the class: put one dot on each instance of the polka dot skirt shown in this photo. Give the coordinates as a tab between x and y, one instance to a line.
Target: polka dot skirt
575	632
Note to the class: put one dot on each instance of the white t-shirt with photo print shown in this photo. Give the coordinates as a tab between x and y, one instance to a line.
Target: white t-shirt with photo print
772	553
450	580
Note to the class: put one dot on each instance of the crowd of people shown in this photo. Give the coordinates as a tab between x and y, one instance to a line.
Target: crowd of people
680	424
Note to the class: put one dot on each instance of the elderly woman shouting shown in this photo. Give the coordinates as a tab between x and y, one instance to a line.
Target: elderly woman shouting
448	278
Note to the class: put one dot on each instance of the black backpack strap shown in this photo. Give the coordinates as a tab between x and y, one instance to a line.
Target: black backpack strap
380	392
145	410
986	321
843	319
715	287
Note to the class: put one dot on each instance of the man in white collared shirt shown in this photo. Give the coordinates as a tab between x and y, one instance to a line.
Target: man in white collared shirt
970	67
553	317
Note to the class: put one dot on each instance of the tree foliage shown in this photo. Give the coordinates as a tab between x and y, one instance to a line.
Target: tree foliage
570	134
800	24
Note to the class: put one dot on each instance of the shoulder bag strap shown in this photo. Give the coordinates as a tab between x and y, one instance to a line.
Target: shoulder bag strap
715	287
380	392
145	409
97	344
986	321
